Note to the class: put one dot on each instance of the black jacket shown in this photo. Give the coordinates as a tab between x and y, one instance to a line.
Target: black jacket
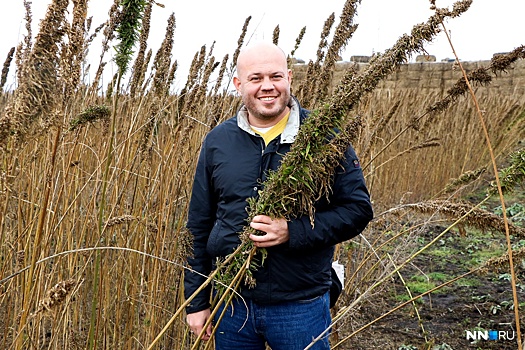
232	166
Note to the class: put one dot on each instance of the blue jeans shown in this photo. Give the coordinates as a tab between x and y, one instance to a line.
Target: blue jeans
284	326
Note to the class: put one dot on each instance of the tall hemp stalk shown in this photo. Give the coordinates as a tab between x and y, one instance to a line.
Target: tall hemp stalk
128	29
499	190
34	108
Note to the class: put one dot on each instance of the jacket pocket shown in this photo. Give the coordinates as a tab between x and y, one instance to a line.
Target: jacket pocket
212	247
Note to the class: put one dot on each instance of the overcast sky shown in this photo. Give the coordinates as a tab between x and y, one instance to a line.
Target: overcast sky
487	27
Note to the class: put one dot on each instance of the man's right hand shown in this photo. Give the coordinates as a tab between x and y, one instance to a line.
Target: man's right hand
197	320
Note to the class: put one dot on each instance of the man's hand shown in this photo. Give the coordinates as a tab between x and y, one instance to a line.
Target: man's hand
197	320
276	231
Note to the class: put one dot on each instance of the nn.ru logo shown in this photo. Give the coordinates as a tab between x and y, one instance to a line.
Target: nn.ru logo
490	335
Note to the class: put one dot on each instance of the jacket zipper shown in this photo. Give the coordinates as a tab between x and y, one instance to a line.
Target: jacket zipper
263	147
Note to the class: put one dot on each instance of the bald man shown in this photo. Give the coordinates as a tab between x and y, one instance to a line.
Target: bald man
290	303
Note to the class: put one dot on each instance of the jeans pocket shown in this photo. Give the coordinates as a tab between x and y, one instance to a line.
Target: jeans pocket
310	300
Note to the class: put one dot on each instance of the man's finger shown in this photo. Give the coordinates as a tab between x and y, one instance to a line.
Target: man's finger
263	219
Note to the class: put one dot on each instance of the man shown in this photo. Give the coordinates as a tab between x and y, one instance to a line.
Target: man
289	306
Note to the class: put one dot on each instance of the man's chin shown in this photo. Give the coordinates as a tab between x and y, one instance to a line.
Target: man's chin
269	113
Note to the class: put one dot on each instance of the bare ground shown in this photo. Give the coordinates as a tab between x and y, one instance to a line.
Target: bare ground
477	302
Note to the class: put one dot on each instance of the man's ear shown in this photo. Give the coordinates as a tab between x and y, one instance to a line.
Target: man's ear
290	76
237	84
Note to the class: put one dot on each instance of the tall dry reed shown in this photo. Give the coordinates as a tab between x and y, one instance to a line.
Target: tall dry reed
66	208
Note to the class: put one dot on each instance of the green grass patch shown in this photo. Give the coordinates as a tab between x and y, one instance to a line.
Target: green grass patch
439	276
418	287
401	298
468	282
442	252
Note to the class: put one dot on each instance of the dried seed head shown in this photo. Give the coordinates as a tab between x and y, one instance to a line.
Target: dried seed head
473	217
162	60
120	220
91	114
5	69
20	257
152	227
56	296
33	107
185	244
240	41
275	37
140	65
465	179
501	263
501	62
298	41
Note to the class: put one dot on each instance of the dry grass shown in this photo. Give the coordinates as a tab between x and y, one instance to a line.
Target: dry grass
55	150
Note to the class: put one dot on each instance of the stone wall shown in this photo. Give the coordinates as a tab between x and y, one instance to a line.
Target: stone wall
436	76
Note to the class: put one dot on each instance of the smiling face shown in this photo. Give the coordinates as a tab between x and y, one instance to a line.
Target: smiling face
263	80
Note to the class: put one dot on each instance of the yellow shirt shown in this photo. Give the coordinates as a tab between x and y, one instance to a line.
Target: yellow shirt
274	131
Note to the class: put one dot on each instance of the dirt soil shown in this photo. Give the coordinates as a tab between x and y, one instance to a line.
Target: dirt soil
477	302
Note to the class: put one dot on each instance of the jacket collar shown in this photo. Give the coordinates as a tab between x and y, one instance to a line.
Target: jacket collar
290	130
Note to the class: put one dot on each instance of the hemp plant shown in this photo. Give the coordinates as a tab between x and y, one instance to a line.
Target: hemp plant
128	32
128	29
306	170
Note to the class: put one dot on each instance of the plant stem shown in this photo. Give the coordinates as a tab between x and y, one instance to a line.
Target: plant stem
500	191
186	303
35	252
96	275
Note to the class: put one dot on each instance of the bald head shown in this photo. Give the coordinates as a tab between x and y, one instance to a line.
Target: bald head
261	51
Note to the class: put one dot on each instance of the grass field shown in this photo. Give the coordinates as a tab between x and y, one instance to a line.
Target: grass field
95	181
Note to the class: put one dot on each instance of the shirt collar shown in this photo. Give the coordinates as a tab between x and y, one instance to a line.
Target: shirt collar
290	130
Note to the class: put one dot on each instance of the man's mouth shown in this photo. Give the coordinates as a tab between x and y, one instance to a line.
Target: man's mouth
267	98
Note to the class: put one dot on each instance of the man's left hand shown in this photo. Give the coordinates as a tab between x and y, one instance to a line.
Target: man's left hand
276	231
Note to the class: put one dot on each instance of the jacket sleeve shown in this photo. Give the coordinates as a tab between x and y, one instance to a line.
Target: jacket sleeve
348	212
201	217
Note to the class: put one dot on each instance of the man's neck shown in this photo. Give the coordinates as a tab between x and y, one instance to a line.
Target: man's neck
266	123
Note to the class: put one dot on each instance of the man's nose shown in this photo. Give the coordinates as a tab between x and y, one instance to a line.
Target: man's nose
267	84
